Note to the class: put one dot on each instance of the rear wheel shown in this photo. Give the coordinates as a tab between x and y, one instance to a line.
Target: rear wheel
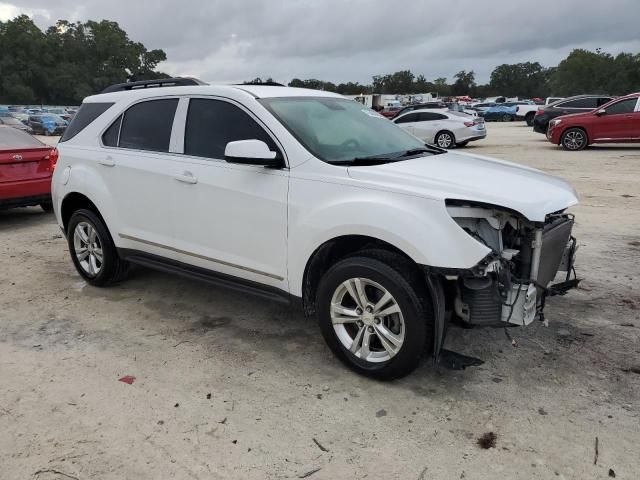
375	315
574	139
506	117
47	206
93	251
445	139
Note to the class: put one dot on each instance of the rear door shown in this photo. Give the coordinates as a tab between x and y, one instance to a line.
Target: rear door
138	168
620	122
24	162
429	123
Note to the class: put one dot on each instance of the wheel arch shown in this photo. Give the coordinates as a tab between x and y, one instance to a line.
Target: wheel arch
333	250
74	201
579	127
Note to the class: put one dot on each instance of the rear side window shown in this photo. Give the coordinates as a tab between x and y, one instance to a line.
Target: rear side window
147	125
623	106
88	113
579	103
110	136
211	124
430	116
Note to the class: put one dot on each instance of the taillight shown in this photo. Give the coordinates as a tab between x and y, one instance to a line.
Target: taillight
53	158
469	124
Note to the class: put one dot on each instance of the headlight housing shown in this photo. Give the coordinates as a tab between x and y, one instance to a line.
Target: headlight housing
555	122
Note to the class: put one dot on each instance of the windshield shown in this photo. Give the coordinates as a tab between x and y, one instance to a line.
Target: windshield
338	130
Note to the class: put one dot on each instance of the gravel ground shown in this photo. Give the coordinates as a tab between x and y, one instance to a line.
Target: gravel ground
234	387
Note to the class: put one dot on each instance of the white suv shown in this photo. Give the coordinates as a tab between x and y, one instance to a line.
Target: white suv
308	197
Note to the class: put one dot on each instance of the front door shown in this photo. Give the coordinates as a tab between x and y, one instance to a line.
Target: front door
618	123
229	218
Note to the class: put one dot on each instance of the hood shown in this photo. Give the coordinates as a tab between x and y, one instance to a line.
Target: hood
460	176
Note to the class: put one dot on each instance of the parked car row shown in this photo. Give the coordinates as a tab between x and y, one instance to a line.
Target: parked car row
584	120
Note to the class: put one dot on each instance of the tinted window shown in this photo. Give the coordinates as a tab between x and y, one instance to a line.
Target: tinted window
623	106
579	103
13	138
88	113
147	125
430	116
211	124
411	117
603	100
110	136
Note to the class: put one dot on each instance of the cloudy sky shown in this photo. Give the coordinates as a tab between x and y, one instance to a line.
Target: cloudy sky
342	40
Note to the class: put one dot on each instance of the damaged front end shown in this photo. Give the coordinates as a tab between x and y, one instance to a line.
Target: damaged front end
509	286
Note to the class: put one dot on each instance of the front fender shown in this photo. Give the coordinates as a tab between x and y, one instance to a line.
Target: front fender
419	227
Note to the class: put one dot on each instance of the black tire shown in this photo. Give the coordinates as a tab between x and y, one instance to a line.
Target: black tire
506	117
402	280
574	139
47	206
529	119
446	138
462	144
112	268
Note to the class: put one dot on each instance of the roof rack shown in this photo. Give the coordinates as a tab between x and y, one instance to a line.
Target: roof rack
261	84
160	82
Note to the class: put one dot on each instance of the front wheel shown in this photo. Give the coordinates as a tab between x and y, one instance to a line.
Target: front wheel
92	250
375	315
445	139
506	117
574	139
529	119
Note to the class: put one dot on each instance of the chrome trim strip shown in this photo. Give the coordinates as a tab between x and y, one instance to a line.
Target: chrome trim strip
221	262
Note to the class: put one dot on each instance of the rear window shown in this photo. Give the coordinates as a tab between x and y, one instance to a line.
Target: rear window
147	125
13	138
88	113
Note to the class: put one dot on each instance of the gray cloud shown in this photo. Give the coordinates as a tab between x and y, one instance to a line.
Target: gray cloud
339	41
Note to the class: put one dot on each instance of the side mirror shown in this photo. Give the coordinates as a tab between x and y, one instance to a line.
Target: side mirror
251	152
602	111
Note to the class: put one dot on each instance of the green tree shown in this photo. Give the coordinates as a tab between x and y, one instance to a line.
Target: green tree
69	61
465	83
521	79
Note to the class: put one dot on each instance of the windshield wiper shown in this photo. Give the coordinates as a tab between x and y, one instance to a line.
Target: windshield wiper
364	161
418	151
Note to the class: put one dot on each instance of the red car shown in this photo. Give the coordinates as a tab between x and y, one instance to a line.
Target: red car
390	112
26	166
617	121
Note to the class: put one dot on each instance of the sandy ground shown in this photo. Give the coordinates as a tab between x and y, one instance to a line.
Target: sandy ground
233	387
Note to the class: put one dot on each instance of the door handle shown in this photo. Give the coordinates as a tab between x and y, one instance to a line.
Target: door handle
186	177
107	161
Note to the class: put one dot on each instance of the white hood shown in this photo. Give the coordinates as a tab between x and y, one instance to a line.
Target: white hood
463	176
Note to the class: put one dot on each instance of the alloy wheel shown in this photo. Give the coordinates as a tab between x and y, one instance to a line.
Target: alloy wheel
367	320
573	140
444	140
88	249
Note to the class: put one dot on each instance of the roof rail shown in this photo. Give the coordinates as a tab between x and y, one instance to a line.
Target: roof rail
160	82
261	84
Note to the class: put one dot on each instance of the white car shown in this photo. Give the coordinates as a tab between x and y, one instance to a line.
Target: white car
309	198
444	128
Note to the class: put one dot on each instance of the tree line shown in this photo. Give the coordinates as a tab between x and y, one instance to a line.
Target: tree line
582	71
69	61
